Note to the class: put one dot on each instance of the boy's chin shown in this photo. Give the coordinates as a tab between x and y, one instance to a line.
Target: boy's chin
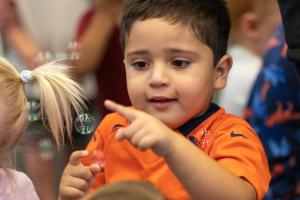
171	124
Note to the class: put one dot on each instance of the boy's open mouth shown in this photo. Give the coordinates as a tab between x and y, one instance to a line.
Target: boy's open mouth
161	102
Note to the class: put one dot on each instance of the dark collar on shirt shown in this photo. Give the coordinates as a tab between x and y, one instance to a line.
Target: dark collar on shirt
190	125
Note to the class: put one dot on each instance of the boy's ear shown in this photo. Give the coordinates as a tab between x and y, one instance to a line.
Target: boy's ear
221	71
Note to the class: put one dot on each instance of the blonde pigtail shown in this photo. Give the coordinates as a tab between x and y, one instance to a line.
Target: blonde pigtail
13	96
60	96
13	114
61	99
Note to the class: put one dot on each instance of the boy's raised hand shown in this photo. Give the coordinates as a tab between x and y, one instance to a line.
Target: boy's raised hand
76	177
144	130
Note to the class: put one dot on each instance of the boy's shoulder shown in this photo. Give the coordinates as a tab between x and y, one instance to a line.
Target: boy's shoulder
227	119
227	127
237	147
220	120
219	128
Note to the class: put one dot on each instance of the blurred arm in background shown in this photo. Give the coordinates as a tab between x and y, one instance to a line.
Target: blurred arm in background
14	33
105	16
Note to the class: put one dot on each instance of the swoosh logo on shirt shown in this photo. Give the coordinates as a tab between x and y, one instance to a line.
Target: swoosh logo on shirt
237	135
117	126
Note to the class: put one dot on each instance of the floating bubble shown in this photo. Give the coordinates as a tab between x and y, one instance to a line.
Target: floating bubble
34	111
74	50
85	124
46	148
43	57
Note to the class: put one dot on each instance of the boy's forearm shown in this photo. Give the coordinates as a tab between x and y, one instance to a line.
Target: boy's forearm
203	177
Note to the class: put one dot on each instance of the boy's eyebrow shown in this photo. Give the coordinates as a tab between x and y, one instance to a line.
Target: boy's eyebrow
139	52
173	50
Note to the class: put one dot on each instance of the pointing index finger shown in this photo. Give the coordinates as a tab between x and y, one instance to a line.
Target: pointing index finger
126	112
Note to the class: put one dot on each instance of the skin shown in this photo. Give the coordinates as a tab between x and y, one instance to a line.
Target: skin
166	71
256	31
93	42
15	34
162	66
76	177
7	13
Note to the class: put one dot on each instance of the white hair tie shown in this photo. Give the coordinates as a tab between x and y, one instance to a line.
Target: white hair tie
26	76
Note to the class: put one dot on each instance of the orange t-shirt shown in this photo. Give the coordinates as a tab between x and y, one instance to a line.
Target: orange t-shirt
226	138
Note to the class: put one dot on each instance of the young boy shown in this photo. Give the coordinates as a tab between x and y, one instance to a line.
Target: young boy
175	57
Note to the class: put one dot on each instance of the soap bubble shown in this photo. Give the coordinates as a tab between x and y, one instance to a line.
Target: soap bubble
85	124
46	148
34	111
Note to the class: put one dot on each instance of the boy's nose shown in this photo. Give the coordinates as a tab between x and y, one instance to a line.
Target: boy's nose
159	76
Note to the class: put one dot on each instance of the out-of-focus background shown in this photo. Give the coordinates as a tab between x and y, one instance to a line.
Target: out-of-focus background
86	33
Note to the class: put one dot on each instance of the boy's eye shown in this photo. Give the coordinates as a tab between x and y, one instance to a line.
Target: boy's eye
180	63
140	65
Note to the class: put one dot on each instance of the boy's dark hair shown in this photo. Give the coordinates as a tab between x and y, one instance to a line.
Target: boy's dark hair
209	19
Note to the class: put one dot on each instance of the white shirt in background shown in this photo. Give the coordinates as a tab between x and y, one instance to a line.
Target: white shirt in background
244	71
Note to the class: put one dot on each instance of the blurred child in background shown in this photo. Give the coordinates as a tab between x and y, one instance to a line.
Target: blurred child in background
274	112
253	24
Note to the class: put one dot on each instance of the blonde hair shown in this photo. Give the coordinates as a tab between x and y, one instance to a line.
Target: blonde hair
133	190
59	96
237	8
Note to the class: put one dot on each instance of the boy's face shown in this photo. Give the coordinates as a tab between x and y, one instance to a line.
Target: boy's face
170	73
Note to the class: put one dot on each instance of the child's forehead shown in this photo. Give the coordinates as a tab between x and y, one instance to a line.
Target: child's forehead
156	25
164	42
180	25
144	32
